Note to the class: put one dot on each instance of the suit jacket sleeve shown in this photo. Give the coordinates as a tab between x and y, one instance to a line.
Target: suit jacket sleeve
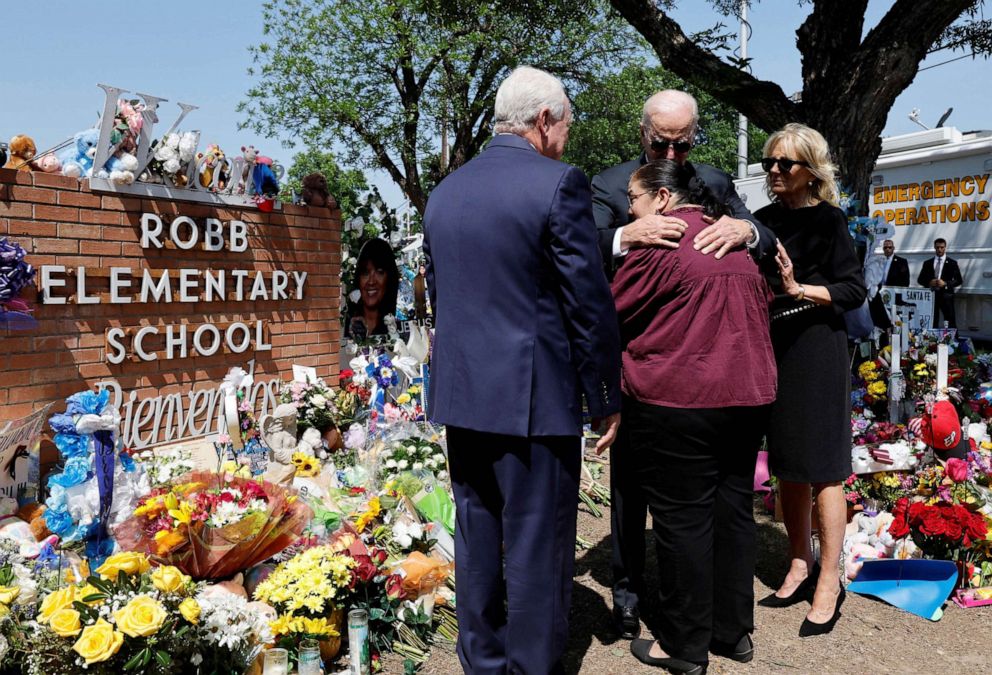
723	188
926	274
589	313
955	280
606	217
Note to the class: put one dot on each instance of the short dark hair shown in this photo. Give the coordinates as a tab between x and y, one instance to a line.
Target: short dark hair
940	240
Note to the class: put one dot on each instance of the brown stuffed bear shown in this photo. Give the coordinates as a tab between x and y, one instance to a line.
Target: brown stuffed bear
22	151
315	189
34	514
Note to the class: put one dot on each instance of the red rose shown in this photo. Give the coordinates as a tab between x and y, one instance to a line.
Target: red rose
346	374
394	587
977	527
952	529
365	570
899	528
916	511
956	470
378	556
932	525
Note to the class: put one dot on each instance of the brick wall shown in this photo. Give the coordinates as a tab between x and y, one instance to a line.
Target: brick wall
59	221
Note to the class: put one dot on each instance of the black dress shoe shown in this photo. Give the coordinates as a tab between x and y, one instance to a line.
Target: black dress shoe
811	628
628	622
641	650
742	652
804	591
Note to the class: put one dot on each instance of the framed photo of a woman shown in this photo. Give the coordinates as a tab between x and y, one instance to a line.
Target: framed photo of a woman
373	298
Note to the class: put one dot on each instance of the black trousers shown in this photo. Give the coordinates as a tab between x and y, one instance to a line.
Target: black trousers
515	509
628	515
944	308
696	470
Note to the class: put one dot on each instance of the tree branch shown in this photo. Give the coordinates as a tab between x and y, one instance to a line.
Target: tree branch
763	102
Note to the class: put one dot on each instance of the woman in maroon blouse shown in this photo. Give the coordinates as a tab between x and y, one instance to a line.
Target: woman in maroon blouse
698	376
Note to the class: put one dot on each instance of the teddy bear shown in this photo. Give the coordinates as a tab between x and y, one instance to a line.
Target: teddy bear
210	162
22	150
250	154
77	160
315	189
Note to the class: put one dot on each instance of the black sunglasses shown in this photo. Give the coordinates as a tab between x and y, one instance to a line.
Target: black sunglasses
662	145
784	163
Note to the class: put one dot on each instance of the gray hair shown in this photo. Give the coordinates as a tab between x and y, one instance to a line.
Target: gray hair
522	96
669	100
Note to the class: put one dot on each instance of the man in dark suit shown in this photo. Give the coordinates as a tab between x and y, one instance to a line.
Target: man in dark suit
896	271
668	127
525	326
943	275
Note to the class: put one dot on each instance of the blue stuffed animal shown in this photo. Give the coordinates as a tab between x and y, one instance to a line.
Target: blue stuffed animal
77	159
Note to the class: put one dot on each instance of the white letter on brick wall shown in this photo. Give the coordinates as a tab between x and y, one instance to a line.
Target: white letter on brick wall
239	236
213	240
117	285
48	283
114	336
149	235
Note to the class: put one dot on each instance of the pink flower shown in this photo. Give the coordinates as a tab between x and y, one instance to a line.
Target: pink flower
957	470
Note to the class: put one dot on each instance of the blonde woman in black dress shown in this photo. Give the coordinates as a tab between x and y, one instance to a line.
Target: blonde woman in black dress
816	278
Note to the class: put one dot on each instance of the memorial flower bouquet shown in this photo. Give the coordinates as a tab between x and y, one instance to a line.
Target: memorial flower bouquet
315	405
942	531
126	617
231	631
211	526
15	274
308	592
412	454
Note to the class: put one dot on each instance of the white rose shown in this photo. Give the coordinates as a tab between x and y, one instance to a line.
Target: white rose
442	474
439	457
318	401
402	464
417	466
391	464
412	449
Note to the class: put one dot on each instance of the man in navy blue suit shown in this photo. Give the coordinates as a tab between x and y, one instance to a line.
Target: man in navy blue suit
525	326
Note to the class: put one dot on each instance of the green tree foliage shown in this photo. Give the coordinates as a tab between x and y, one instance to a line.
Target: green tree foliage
852	72
345	185
382	77
606	131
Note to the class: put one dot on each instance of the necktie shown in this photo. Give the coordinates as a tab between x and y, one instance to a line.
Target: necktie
938	268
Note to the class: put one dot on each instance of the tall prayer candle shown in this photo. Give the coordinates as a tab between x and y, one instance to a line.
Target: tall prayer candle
941	367
896	361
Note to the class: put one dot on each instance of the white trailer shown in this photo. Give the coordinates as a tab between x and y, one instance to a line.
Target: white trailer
931	184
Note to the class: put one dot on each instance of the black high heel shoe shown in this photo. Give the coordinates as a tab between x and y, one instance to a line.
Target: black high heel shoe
641	649
811	628
804	591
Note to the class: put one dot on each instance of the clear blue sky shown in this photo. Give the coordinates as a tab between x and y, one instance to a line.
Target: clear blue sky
196	52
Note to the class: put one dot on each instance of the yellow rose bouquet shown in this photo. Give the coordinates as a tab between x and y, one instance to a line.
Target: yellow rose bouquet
125	617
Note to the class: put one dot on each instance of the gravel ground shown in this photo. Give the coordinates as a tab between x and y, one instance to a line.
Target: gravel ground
871	637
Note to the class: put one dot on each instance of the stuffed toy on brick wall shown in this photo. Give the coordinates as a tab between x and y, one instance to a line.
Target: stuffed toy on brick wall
21	153
77	160
315	190
211	162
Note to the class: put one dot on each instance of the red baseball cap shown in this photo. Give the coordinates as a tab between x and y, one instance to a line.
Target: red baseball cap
941	427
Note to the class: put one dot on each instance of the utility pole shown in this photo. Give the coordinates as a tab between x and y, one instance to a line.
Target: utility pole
741	119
